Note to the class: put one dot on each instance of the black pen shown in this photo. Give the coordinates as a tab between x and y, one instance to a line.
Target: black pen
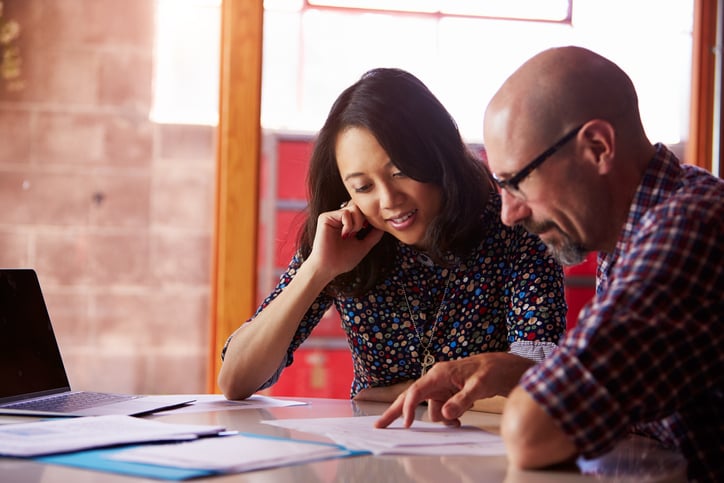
360	235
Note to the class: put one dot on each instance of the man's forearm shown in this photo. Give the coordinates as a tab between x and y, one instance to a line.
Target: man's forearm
532	438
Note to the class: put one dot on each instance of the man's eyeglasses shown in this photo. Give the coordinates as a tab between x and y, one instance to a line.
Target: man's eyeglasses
511	184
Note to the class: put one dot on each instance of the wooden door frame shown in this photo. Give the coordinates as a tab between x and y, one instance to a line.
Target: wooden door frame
234	259
706	42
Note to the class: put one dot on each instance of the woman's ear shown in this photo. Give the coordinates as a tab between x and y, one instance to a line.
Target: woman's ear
599	141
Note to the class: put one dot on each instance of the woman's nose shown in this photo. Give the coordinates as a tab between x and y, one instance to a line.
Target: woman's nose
390	196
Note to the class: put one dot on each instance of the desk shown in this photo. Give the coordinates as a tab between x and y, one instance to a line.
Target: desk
635	460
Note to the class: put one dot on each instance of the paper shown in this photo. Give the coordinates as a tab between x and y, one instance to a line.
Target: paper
8	419
232	454
72	434
98	460
217	402
422	437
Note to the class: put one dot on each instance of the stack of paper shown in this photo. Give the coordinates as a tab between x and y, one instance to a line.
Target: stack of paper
422	437
73	434
232	454
227	454
217	402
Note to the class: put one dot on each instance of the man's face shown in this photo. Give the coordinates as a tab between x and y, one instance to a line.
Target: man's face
560	245
544	200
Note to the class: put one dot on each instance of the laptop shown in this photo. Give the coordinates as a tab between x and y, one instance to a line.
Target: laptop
33	379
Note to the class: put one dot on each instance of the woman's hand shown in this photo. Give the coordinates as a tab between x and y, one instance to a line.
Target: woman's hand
336	249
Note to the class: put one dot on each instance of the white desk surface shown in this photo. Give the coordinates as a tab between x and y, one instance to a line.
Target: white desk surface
635	460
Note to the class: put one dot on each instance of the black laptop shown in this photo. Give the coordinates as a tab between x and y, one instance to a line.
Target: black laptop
33	380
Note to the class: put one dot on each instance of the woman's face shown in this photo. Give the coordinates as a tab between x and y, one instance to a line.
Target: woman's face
390	200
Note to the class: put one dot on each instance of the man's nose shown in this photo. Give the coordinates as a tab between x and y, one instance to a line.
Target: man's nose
514	210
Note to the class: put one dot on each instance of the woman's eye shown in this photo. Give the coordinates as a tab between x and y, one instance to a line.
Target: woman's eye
362	189
399	174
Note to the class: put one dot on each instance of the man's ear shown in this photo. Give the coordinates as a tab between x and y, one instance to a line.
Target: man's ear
599	141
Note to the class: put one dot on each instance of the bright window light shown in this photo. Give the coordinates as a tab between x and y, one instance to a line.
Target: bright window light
186	67
313	49
550	10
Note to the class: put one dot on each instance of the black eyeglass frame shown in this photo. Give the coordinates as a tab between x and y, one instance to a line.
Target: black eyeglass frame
511	184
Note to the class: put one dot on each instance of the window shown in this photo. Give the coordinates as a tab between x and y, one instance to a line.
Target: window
313	49
538	10
186	76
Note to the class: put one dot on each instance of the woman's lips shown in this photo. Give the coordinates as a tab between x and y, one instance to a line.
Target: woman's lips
403	221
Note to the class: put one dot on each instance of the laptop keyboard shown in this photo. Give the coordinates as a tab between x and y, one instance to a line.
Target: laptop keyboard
70	401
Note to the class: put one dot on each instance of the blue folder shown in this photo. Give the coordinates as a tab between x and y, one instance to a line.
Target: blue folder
98	460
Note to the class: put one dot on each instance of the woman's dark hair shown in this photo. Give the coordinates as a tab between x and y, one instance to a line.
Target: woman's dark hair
423	142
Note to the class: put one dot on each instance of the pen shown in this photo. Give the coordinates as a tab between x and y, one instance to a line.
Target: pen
360	235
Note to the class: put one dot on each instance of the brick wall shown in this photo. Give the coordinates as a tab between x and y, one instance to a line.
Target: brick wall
112	210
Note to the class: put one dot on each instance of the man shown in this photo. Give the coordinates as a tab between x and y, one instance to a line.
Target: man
646	354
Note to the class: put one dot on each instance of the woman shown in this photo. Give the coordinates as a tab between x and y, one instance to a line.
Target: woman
404	237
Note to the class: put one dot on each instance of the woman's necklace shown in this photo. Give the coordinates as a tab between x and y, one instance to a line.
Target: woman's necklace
428	360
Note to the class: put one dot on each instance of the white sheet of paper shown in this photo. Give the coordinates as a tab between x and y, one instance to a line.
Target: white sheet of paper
217	402
72	434
421	438
230	453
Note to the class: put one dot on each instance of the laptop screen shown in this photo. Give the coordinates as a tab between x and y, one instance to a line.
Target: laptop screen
30	360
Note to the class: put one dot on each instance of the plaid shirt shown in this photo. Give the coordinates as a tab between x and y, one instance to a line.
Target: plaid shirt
647	353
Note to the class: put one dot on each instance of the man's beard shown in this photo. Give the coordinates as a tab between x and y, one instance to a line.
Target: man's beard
566	252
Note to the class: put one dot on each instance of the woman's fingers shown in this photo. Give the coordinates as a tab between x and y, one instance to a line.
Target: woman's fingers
353	221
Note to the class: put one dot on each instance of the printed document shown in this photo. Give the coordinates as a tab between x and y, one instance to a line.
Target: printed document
232	454
359	433
217	402
72	434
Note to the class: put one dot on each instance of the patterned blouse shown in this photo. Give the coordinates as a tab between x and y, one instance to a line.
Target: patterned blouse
506	295
647	352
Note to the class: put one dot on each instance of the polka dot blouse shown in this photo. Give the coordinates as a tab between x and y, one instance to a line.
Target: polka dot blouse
505	294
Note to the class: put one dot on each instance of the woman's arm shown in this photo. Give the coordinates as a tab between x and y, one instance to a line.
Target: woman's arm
254	353
383	394
537	314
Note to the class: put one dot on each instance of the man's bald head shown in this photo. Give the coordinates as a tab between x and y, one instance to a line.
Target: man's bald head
581	110
558	89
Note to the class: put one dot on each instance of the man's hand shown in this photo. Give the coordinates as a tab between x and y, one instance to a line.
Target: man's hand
532	438
450	388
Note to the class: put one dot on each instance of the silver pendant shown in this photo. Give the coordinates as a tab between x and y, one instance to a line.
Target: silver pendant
427	362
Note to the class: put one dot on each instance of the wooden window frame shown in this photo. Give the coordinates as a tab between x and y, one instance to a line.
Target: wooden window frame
706	41
233	277
234	266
